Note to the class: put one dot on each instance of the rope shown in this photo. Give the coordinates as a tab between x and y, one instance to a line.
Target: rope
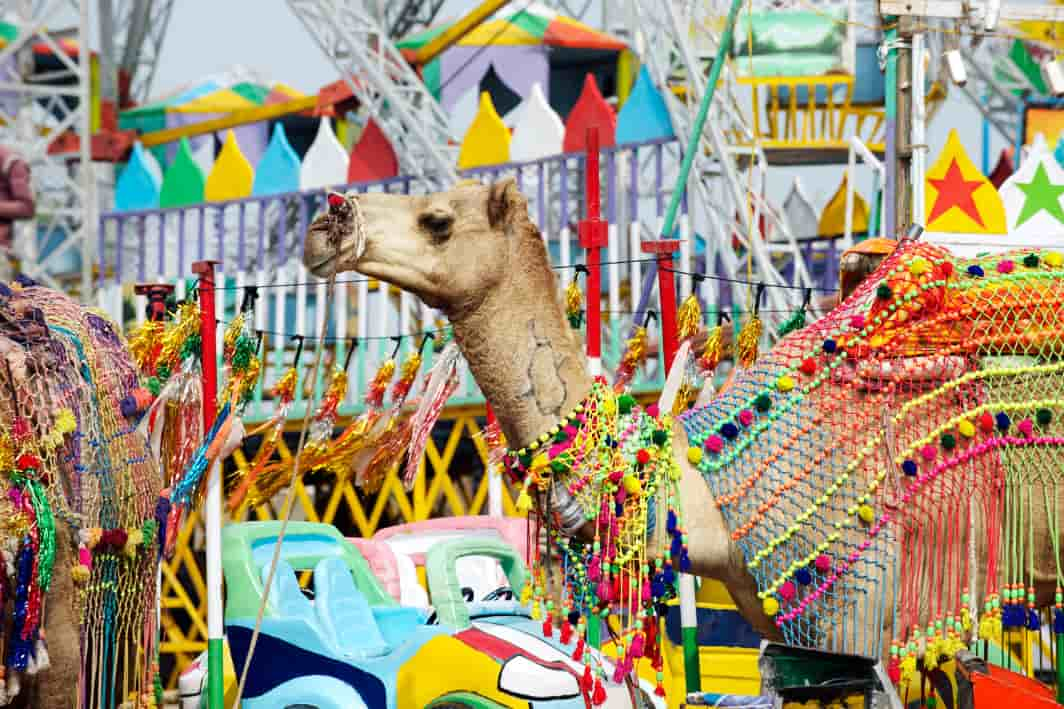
359	225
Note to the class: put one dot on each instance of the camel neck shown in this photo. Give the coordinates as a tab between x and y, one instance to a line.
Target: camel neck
526	358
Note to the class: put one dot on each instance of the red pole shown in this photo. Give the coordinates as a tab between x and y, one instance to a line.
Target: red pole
664	249
594	236
208	323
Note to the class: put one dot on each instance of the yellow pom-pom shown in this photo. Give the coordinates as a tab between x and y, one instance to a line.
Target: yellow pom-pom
919	266
866	513
771	606
80	574
966	428
694	455
524	502
1053	259
784	383
632	485
65	422
134	540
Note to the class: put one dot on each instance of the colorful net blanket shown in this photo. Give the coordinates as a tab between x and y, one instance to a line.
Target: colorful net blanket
77	485
891	465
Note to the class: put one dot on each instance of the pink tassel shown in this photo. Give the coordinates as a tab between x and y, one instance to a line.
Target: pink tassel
646	591
618	673
442	382
636	648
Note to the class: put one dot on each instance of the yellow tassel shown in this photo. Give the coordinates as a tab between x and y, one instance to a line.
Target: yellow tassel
908	669
524	502
688	318
684	398
712	351
143	340
634	356
749	337
574	305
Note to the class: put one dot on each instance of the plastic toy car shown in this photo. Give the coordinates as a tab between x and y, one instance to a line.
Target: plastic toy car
352	646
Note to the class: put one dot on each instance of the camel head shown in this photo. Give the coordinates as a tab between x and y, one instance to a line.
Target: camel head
448	248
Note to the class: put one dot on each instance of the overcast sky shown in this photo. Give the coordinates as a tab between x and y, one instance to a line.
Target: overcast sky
207	36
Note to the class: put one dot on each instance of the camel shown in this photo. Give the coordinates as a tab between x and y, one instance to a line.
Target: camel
78	484
847	487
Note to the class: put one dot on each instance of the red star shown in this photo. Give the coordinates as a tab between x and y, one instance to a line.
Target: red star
955	191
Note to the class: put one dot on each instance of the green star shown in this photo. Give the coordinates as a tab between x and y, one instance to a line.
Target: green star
1041	194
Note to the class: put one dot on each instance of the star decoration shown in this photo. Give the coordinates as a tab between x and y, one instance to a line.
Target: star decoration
1041	194
955	191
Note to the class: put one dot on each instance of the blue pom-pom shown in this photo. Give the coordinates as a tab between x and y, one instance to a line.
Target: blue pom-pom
909	467
657	589
729	430
671	522
1012	616
829	345
1033	621
128	405
975	271
1002	421
803	576
618	509
1058	621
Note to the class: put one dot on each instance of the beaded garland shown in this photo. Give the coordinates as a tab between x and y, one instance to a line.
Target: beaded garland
77	483
861	462
614	457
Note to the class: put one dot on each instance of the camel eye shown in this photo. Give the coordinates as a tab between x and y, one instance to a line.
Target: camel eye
437	224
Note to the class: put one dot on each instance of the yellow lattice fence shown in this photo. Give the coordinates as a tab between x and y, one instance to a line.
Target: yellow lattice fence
445	487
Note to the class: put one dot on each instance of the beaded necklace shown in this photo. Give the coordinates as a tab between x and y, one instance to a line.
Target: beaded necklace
612	459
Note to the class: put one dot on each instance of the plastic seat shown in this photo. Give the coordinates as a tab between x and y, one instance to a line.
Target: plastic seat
286	595
343	611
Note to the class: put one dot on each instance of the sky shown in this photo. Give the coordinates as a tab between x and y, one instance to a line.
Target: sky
208	36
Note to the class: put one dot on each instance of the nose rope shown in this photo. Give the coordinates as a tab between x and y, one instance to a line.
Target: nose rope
335	240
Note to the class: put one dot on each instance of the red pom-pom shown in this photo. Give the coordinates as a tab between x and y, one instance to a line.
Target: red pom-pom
28	461
808	366
335	199
598	698
566	633
587	681
947	269
643	456
652	410
986	422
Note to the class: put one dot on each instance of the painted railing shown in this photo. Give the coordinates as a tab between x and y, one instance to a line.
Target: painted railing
259	240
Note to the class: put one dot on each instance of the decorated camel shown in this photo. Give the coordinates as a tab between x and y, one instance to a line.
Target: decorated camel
883	481
79	536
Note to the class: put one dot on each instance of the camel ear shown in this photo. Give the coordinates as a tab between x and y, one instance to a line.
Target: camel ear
503	199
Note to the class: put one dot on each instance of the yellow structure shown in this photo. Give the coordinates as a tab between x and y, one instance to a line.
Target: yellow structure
487	142
833	218
232	175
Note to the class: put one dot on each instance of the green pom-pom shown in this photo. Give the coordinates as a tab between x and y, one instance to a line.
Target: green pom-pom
242	352
561	436
883	291
154	385
949	441
148	532
1030	260
1043	417
659	437
558	467
763	403
163	372
525	459
625	402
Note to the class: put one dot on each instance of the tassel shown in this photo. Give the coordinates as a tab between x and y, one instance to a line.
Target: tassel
441	384
587	682
712	351
894	670
747	344
908	668
660	689
637	646
574	305
578	653
44	662
598	697
795	322
566	633
688	318
633	358
618	672
524	502
1033	621
548	626
1058	621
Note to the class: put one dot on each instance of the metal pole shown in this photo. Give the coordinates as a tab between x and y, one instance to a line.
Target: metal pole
213	503
594	236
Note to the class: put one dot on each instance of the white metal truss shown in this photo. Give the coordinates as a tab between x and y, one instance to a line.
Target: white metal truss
32	114
675	39
139	27
389	90
403	17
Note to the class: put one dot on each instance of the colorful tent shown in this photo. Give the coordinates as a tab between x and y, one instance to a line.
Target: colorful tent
506	55
8	33
212	97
